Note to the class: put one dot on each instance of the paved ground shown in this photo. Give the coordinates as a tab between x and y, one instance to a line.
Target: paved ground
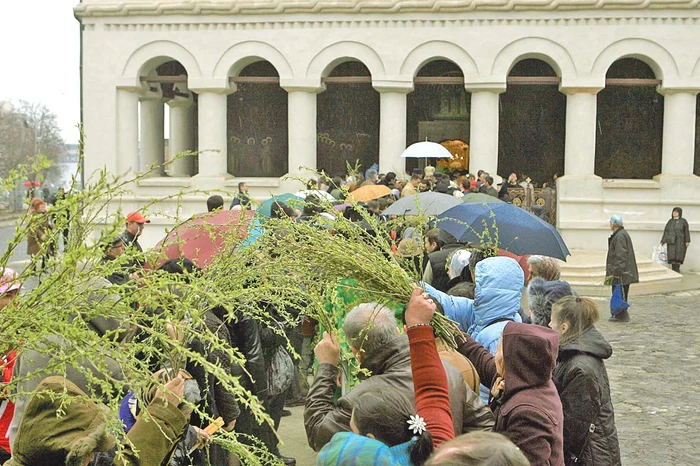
654	374
7	232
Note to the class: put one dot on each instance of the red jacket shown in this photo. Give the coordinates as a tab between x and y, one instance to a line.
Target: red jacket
7	407
430	384
529	410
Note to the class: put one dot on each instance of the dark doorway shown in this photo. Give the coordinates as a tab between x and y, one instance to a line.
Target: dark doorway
257	126
532	125
347	122
629	124
435	110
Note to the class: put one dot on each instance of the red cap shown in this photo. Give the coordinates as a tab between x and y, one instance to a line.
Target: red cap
136	217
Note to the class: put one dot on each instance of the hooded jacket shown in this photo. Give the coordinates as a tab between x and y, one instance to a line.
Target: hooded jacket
528	410
589	417
676	235
542	295
31	363
499	284
46	439
390	367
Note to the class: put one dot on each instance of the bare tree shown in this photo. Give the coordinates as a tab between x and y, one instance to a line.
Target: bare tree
27	130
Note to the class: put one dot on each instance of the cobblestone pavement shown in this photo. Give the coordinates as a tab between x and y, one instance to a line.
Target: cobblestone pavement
654	376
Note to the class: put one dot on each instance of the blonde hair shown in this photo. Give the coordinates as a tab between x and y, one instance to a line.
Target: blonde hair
579	313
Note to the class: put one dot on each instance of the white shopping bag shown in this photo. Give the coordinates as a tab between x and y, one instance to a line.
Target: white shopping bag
659	255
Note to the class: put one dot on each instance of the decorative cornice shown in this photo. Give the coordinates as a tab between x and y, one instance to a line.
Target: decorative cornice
395	23
93	8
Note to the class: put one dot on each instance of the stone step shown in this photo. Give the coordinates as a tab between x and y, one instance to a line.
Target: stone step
585	271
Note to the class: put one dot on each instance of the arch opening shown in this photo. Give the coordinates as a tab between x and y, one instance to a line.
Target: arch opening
438	110
167	120
532	124
257	130
629	130
347	121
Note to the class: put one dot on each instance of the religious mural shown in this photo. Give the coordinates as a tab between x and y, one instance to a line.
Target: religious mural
347	122
257	126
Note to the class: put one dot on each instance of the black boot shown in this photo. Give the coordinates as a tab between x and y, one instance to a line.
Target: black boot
287	460
676	267
623	316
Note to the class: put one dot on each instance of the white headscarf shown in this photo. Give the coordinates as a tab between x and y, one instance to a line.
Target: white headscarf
460	260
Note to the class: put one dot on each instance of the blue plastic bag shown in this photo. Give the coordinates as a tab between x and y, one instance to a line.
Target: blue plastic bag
617	304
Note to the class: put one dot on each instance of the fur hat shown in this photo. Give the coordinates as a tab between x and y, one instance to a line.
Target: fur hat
542	295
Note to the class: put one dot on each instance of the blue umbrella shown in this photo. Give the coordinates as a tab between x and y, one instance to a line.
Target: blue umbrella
428	203
292	200
519	231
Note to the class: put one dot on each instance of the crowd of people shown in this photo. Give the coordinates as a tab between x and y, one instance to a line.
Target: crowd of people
524	386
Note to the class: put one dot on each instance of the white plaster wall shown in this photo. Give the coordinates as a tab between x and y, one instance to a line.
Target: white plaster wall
303	47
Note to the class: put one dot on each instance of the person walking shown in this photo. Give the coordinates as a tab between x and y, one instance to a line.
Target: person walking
590	435
39	241
676	238
620	265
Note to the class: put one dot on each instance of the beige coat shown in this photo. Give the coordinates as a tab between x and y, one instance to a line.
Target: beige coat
466	368
37	232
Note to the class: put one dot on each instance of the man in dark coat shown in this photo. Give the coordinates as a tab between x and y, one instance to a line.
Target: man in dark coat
676	238
435	272
135	221
621	264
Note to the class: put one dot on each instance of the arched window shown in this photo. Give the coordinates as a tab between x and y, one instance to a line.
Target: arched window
532	123
630	122
438	109
257	123
163	135
347	120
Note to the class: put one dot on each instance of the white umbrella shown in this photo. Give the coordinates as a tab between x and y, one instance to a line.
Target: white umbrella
426	149
322	194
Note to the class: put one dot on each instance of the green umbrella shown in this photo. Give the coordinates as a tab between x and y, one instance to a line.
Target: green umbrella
291	200
479	198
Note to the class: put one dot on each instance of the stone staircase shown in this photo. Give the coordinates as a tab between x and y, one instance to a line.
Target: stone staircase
585	271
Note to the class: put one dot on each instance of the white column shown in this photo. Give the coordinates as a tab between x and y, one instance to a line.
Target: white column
152	133
392	129
127	131
678	153
483	130
181	136
213	142
301	124
579	142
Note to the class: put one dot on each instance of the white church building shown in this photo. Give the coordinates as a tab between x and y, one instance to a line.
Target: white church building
602	93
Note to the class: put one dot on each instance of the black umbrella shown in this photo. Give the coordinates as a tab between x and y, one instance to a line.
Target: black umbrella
518	231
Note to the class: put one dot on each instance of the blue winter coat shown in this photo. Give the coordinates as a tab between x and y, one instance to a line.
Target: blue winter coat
499	285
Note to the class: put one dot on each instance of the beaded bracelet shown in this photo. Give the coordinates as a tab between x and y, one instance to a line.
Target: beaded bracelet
418	325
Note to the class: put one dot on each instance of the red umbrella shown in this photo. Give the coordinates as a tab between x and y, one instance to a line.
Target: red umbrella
36	184
204	236
522	260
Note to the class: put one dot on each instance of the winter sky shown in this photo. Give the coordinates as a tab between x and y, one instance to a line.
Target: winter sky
40	56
